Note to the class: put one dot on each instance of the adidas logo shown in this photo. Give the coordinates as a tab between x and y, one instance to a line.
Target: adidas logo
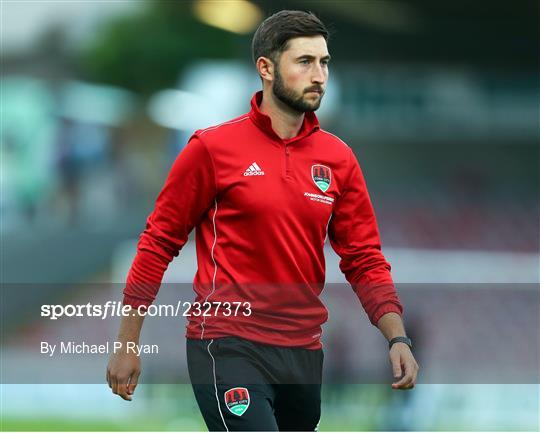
254	170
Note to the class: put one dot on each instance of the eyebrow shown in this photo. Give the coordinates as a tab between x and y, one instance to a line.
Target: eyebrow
310	57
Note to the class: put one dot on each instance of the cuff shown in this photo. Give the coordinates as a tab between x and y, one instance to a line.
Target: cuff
387	307
136	302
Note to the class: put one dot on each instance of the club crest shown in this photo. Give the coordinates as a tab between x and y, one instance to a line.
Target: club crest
322	176
237	400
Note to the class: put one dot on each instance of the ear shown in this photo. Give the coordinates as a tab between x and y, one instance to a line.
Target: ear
265	68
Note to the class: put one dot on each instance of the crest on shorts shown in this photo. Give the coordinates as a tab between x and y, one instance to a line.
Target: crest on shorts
237	400
322	176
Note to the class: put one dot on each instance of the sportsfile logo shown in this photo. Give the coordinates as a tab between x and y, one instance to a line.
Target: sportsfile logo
117	309
254	170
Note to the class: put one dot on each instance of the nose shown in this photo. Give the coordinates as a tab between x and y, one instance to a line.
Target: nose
318	74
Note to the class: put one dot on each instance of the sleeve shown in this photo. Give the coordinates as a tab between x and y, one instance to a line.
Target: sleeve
187	195
354	236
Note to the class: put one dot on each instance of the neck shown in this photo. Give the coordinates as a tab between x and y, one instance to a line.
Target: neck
285	122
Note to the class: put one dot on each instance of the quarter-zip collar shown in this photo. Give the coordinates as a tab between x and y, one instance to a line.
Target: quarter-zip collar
263	122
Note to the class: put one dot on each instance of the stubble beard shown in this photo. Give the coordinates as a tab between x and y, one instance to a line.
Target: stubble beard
291	98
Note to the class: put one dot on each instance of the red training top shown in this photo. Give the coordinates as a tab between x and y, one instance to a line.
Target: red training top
262	208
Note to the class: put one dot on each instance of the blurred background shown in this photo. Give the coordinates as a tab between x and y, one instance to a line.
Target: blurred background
439	100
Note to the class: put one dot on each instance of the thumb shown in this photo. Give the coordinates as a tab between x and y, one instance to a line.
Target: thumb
133	382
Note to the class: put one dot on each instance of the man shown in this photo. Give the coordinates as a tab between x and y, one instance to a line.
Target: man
264	191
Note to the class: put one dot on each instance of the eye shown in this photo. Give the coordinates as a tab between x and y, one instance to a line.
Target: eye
304	61
325	62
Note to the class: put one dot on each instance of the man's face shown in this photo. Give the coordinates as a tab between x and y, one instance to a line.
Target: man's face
301	74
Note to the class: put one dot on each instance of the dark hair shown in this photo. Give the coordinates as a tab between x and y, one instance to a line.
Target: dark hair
270	39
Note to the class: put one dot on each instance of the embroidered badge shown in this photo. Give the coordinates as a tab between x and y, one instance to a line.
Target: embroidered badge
237	400
322	176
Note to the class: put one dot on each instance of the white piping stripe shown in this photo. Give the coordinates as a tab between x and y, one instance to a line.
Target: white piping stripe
327	224
215	266
256	166
251	168
324	283
335	136
224	123
215	383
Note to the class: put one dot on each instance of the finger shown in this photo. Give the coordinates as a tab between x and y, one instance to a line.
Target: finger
133	382
407	376
415	375
122	389
406	383
126	396
396	365
406	380
412	369
114	383
402	386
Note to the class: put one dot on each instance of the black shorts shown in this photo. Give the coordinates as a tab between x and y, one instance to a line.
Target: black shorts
241	385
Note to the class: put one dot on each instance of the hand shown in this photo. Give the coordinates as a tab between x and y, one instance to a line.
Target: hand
123	373
403	364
